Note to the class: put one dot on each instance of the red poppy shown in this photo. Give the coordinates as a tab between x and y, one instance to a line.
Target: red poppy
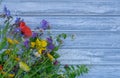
25	30
1	67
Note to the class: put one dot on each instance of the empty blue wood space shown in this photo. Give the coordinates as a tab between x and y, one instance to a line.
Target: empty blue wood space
95	24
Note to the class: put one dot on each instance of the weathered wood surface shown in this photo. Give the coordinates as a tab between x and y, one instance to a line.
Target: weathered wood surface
95	23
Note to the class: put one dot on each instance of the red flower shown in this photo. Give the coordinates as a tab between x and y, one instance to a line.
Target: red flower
1	67
25	30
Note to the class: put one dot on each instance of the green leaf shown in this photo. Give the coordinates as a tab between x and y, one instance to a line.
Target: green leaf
56	55
3	43
56	48
64	35
26	76
74	71
5	29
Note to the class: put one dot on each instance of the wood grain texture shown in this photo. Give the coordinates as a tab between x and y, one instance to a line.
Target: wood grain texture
82	23
78	7
95	24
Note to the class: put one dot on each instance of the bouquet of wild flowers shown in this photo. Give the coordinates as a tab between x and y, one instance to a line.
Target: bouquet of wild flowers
32	54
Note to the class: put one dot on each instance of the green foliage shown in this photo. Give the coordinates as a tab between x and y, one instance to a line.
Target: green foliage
74	71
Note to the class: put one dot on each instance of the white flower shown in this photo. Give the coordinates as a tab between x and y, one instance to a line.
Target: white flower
37	54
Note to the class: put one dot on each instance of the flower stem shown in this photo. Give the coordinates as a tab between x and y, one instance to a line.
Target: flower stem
39	68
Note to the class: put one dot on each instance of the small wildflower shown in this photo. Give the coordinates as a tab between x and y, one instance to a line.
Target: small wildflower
10	41
24	66
7	51
40	51
5	9
51	46
26	43
25	30
45	24
49	40
1	67
17	20
55	62
43	43
17	59
17	30
37	54
37	42
6	12
50	56
9	75
32	44
34	35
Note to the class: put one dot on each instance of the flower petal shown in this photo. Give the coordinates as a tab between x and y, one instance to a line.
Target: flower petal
44	43
24	66
10	41
32	44
50	56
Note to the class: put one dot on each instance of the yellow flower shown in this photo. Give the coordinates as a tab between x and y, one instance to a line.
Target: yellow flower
9	75
15	41
43	43
50	56
32	44
24	66
40	51
17	59
7	51
40	45
43	48
10	41
37	42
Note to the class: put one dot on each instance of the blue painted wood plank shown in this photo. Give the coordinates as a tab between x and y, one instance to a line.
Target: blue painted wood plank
90	56
82	23
92	39
103	72
95	59
65	8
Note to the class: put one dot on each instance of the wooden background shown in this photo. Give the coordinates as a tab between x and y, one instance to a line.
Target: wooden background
95	23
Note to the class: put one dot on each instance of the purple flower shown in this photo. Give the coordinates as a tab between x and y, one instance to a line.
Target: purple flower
6	11
56	62
51	46
34	35
49	40
17	20
44	24
17	30
26	43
